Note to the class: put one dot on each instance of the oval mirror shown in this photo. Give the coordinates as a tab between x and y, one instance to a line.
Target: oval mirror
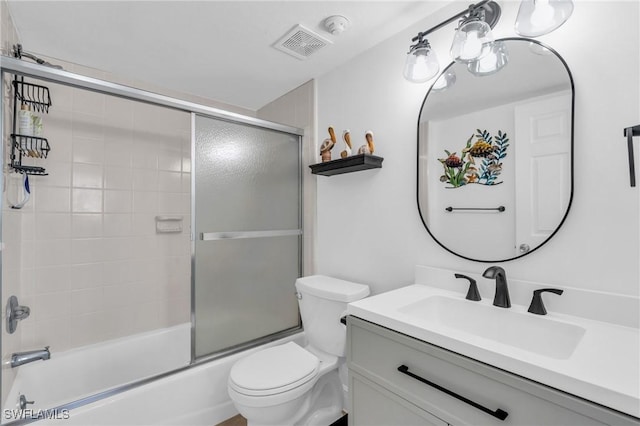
495	152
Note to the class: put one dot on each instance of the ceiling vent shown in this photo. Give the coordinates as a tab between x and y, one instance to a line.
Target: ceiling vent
301	42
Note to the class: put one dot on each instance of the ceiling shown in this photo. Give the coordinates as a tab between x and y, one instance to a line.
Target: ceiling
220	50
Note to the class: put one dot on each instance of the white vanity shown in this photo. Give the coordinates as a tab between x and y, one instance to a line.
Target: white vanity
425	355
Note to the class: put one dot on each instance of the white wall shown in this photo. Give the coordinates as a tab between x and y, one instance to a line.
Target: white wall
368	224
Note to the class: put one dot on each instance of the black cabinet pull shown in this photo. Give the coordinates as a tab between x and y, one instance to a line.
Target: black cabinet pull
630	132
498	414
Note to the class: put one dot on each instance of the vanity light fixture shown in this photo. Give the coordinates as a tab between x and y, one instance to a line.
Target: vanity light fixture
472	40
539	17
422	63
493	62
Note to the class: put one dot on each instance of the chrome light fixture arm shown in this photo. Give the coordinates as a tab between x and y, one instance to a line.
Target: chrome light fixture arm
489	8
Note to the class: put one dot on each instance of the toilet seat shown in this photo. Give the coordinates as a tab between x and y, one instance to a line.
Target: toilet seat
274	371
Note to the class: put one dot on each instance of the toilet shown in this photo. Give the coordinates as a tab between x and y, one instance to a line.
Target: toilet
288	385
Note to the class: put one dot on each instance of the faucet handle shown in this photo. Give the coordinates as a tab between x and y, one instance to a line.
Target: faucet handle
537	306
472	293
23	402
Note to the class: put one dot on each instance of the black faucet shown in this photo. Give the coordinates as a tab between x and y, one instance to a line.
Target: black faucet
501	298
472	293
536	306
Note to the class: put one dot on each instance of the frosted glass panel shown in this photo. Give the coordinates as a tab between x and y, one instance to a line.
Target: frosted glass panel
247	180
244	290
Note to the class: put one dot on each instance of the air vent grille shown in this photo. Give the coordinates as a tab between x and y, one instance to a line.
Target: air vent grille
301	42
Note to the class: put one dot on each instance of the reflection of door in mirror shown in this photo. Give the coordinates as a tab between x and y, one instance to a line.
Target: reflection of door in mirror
543	167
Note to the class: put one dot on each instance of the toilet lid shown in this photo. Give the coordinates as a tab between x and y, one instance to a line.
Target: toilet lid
274	370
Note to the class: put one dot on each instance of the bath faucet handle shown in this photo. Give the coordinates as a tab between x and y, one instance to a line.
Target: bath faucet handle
537	306
472	293
23	402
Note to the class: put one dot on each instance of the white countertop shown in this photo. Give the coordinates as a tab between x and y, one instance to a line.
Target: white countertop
604	367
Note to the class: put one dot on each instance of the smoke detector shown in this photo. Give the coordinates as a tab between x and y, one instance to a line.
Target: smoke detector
336	24
301	42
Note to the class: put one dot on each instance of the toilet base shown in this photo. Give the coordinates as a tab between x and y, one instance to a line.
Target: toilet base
321	406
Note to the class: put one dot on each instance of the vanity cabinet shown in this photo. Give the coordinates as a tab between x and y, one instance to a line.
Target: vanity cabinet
461	391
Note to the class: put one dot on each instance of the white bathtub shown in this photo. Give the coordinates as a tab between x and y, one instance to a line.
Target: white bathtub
194	396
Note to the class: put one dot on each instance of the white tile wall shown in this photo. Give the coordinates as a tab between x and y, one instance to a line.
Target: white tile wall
85	248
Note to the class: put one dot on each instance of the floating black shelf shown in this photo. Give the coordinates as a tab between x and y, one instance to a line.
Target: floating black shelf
355	163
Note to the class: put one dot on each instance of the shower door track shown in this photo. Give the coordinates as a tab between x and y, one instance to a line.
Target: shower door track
27	69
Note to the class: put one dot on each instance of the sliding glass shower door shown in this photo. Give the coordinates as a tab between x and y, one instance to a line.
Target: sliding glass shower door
247	232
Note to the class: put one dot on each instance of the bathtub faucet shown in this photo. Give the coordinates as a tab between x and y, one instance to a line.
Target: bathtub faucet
20	358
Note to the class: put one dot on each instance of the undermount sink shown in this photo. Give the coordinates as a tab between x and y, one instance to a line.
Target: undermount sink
533	333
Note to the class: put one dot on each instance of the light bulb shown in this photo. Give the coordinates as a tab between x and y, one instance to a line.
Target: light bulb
472	47
542	14
421	64
471	41
539	17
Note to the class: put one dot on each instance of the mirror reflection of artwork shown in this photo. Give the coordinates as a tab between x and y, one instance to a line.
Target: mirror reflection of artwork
508	184
479	163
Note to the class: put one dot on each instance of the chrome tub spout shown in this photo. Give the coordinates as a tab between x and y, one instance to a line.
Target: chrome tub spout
20	358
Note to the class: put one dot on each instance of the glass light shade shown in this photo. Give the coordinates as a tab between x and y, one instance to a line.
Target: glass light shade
495	60
421	64
539	17
446	80
471	41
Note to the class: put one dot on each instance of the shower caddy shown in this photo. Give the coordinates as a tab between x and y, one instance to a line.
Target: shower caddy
37	97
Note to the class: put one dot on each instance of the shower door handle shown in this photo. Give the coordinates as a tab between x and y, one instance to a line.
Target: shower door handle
234	235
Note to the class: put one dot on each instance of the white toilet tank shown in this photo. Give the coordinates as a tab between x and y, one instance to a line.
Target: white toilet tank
323	301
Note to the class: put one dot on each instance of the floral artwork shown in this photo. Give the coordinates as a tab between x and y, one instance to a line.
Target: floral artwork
479	162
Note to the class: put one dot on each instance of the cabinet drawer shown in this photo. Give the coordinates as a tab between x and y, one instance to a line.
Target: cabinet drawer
373	405
376	353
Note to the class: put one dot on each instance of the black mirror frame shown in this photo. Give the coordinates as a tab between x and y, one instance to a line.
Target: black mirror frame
573	94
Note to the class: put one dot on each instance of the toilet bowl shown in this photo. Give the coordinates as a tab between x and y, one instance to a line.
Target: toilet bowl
290	385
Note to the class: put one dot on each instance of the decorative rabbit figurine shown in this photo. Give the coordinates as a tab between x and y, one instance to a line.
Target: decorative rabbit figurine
327	145
347	140
369	147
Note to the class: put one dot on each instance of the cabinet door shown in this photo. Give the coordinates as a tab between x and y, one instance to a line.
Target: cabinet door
372	405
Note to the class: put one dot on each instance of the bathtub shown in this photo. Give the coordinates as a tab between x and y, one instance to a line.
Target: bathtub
194	395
